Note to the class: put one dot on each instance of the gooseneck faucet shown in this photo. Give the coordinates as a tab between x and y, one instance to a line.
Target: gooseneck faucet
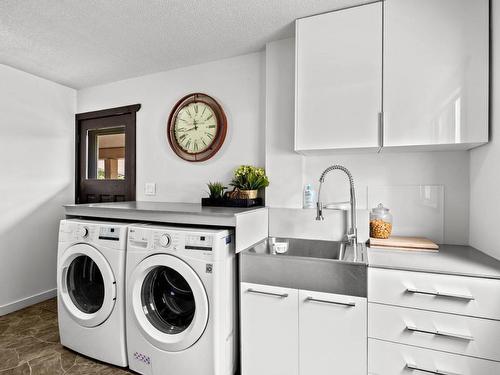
351	236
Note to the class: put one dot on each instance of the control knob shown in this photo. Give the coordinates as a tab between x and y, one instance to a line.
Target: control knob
164	240
83	232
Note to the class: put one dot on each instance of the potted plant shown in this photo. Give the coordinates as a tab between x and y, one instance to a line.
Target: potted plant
216	190
248	180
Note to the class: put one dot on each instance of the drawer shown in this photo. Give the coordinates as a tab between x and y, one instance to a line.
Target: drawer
386	358
453	294
440	331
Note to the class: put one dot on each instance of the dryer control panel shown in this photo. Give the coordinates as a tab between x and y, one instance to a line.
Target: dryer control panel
195	242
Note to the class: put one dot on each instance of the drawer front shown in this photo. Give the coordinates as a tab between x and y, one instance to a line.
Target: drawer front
386	358
440	331
453	294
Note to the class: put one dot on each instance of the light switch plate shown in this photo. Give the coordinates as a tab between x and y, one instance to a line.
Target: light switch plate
150	188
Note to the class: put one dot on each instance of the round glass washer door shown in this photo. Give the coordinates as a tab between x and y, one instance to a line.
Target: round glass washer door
169	302
87	285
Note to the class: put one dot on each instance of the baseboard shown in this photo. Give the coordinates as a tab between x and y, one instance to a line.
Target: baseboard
22	303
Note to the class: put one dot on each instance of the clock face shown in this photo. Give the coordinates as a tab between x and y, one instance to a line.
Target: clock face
195	127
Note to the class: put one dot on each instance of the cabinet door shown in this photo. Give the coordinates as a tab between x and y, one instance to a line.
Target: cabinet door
338	91
435	72
332	334
269	334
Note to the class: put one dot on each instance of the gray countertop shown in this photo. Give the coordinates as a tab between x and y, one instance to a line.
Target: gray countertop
450	259
167	212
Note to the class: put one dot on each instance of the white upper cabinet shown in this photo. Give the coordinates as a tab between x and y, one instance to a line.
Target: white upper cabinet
436	72
429	76
339	79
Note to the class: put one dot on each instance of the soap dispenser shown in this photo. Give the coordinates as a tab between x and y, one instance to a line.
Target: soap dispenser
309	196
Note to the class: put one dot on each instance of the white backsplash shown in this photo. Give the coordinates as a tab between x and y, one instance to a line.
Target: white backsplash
302	223
418	210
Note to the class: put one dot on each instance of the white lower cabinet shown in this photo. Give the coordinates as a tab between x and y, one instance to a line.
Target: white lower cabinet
332	334
269	336
290	332
464	335
387	358
460	295
425	323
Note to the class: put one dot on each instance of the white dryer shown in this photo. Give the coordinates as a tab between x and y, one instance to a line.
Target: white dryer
91	289
181	301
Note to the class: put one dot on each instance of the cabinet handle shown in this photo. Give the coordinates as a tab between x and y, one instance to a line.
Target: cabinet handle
348	304
413	367
440	333
381	129
283	295
440	294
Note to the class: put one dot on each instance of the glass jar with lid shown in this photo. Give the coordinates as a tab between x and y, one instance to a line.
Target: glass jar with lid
380	222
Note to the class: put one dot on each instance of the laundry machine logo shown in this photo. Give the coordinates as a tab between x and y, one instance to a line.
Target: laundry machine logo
209	268
142	358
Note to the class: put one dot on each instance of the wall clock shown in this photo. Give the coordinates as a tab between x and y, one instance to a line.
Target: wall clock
197	127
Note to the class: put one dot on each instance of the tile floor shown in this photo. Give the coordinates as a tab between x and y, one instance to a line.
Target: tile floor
29	344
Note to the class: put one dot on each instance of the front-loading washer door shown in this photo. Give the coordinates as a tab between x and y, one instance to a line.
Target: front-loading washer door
87	285
169	302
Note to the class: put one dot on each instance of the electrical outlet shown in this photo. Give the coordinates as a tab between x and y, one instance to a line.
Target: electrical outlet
150	188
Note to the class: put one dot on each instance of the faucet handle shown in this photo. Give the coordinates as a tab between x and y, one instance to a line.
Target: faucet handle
319	211
340	206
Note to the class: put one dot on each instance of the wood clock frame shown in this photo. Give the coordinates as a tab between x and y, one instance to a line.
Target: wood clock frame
219	138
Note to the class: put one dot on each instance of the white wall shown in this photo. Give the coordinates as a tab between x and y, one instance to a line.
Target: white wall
484	163
257	92
36	169
238	85
289	171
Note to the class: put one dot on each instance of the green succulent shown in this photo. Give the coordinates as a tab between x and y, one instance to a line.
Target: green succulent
216	190
247	177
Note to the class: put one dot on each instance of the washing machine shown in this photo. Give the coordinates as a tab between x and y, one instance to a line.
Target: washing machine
181	301
91	289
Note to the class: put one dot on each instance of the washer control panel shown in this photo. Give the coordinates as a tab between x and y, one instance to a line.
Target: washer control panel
108	234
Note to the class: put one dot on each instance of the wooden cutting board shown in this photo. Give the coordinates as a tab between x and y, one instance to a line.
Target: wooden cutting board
405	243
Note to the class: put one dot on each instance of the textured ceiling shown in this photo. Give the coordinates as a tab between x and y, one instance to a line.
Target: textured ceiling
81	43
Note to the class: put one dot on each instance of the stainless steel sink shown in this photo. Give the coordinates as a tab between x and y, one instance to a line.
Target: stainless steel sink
323	266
